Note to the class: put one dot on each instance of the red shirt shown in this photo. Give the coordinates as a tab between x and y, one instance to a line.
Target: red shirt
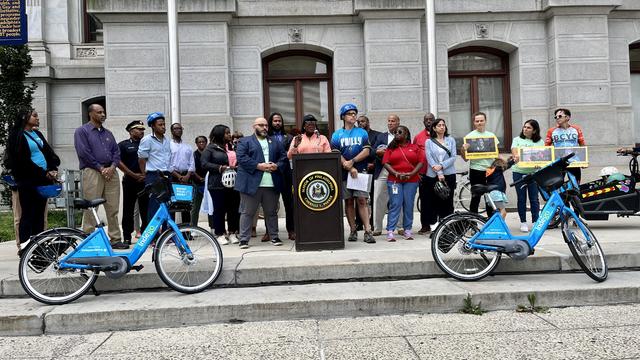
420	140
403	160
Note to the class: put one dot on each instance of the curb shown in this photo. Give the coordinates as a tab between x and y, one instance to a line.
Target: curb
143	310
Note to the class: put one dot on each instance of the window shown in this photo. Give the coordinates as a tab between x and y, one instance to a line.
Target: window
298	83
92	26
634	67
479	81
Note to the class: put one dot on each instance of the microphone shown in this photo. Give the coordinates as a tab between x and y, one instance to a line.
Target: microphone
317	133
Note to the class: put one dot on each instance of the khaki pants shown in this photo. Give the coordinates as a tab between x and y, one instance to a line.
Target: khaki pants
95	186
17	214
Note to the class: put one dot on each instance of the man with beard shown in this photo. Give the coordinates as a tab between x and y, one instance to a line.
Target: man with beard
261	162
426	213
363	122
132	181
277	133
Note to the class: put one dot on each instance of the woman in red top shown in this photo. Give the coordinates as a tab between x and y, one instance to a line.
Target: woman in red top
403	160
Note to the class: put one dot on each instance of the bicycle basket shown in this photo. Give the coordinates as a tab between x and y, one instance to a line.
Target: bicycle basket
161	189
550	177
182	193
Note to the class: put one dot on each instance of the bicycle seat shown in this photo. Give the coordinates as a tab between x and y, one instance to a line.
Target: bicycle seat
86	204
479	189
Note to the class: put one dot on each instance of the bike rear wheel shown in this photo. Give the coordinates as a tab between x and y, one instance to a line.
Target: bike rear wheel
184	274
449	247
585	249
464	198
41	276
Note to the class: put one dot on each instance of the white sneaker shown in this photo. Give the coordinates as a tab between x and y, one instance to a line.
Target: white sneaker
234	238
524	228
221	239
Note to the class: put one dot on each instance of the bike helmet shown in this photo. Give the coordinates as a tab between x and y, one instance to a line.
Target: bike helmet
49	191
153	117
608	171
347	107
229	178
442	190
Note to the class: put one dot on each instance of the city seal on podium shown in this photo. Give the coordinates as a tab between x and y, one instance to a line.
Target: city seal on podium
318	191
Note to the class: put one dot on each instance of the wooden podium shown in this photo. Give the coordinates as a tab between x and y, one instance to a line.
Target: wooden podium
317	204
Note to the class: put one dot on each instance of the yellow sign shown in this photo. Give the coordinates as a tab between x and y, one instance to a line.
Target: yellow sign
318	191
481	147
535	156
580	159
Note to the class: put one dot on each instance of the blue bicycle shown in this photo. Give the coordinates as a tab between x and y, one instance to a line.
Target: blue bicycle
468	247
60	265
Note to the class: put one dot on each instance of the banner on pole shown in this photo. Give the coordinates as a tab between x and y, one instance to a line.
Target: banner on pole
13	22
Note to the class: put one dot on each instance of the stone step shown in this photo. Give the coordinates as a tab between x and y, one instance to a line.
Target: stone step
159	309
277	267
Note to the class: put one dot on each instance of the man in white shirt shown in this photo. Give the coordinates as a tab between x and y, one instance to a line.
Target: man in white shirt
182	163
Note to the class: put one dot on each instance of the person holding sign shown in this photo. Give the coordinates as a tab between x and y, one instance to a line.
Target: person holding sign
529	137
353	145
565	135
479	165
403	160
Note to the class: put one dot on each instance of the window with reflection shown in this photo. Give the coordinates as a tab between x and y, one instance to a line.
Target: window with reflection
298	83
92	26
479	81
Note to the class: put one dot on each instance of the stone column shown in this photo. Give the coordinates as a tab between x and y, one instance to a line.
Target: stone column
35	21
393	61
579	73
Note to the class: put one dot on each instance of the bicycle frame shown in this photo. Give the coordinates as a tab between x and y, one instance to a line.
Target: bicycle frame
97	243
497	229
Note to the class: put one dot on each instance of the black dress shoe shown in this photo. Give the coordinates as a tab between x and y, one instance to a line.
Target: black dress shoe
119	246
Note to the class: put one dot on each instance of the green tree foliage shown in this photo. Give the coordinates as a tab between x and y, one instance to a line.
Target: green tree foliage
16	94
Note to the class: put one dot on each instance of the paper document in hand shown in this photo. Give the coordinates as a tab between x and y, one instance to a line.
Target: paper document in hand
362	182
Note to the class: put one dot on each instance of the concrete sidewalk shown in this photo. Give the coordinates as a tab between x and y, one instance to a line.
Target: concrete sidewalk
363	279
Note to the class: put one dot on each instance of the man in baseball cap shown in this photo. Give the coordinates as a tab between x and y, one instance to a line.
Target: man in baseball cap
132	181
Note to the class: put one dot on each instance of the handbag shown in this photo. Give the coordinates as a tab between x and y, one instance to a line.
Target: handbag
441	146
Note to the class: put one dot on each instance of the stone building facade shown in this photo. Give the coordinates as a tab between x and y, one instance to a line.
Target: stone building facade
240	59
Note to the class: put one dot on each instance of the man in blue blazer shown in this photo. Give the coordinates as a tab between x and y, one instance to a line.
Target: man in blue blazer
261	163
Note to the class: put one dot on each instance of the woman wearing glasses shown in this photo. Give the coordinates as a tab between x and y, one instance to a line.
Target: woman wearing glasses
441	159
403	160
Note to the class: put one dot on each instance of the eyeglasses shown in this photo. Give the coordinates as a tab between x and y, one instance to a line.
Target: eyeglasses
351	113
399	132
559	116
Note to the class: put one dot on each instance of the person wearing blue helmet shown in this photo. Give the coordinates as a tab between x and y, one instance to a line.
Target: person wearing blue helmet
154	156
353	145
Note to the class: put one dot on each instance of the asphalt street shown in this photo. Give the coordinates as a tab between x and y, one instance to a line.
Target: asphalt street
602	332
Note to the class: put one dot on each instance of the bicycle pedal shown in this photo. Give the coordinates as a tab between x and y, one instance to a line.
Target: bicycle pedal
137	268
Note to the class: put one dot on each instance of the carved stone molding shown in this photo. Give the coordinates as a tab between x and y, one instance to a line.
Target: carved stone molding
88	52
295	35
482	31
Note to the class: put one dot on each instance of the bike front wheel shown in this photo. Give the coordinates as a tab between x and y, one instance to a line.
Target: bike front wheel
188	273
585	249
41	275
451	251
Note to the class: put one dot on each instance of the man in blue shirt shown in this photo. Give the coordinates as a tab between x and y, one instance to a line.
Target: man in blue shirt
99	156
154	155
353	144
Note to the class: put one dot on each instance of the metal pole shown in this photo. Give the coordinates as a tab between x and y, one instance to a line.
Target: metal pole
174	60
430	20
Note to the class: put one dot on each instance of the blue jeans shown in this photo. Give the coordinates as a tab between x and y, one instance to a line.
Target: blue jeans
532	190
404	200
